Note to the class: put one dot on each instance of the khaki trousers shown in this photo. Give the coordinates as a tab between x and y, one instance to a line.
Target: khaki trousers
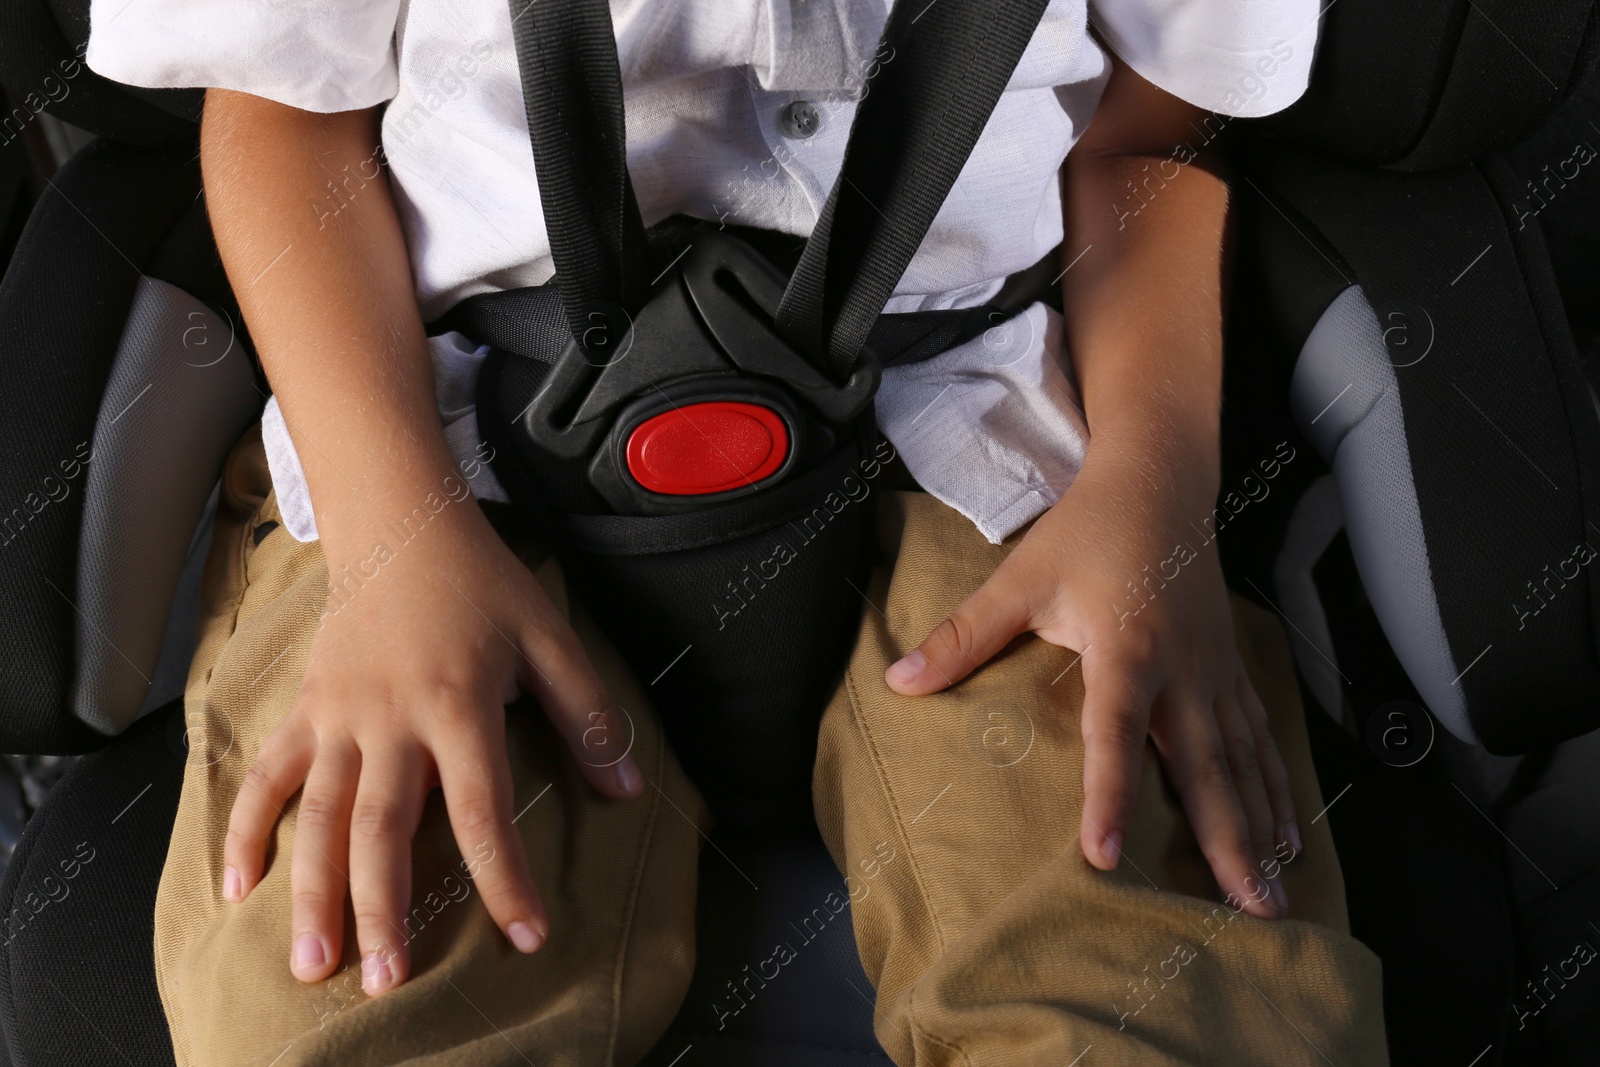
988	937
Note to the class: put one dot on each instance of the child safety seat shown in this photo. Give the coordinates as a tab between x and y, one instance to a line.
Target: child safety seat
1421	396
1417	334
699	321
680	411
131	438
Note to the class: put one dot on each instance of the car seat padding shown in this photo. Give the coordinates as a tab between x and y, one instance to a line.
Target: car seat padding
64	306
1347	403
77	907
181	392
42	45
1418	86
1499	428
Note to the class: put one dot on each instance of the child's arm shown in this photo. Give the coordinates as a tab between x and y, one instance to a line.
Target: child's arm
405	684
1143	310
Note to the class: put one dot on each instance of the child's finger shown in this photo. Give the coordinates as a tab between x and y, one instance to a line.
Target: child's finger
477	793
984	624
599	733
1192	752
276	775
1274	774
318	874
1244	759
384	820
1115	719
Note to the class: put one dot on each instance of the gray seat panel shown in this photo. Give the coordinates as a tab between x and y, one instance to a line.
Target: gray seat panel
1345	400
1312	527
181	392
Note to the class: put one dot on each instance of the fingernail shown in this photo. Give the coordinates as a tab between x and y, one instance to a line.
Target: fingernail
628	778
1111	847
309	953
524	936
1292	832
232	885
907	668
376	974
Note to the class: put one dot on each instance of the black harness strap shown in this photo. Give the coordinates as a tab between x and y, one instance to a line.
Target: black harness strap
532	323
924	109
648	543
944	66
572	92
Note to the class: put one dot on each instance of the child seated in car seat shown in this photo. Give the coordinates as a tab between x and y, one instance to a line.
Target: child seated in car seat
1066	462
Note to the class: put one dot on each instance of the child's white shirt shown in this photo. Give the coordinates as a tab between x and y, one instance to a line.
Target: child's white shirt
992	427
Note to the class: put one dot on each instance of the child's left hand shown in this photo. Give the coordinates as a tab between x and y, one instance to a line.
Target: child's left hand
1170	669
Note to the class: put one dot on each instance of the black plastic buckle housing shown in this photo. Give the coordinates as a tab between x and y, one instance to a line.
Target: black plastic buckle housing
706	333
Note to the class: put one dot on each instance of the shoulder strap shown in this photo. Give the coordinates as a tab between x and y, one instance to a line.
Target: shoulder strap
942	67
572	92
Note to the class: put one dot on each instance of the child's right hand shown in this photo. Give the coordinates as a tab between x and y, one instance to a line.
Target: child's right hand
405	689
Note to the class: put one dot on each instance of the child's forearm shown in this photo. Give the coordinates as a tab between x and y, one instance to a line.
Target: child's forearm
1143	306
405	686
1144	324
324	282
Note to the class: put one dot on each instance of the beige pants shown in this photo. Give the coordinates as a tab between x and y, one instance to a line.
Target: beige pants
989	939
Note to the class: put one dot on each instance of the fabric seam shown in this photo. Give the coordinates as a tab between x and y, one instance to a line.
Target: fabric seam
911	856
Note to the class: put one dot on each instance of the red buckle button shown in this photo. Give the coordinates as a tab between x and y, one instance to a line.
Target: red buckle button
710	447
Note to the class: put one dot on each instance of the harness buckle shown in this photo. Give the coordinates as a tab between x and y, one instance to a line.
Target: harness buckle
696	399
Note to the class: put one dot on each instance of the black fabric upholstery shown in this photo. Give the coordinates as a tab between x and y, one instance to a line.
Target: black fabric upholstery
1266	322
1426	893
16	195
1549	809
77	965
1501	431
63	302
1516	841
1425	84
757	893
1565	198
42	43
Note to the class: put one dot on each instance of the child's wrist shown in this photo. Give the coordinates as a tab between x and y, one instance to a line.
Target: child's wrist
1183	464
412	511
